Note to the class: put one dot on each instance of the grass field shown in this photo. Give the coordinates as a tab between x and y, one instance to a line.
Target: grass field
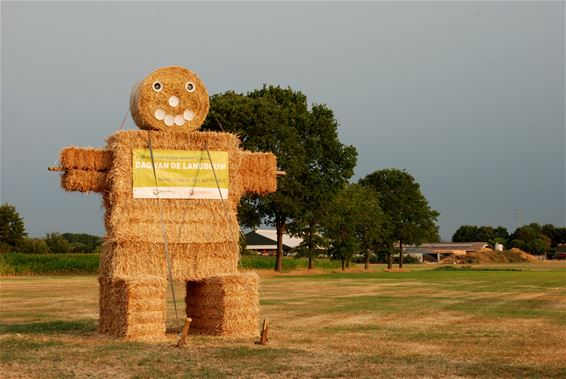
421	323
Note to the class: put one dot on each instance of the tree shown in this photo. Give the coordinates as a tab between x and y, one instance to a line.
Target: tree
329	165
312	245
306	144
82	242
465	233
530	238
12	229
500	235
354	224
56	243
557	235
410	218
34	246
489	234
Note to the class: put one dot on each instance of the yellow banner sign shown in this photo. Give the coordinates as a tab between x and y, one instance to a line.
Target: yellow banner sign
180	174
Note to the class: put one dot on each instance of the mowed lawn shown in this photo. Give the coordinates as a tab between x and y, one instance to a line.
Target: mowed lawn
421	323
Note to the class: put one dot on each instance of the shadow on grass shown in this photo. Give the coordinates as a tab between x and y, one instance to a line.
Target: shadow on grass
80	327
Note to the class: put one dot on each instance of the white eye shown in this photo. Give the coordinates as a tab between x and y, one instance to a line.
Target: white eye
190	87
157	86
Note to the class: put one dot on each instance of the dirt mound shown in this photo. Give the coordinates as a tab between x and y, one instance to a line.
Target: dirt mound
451	259
507	256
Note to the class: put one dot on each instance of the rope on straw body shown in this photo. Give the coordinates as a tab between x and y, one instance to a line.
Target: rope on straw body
216	180
163	227
124	119
219	191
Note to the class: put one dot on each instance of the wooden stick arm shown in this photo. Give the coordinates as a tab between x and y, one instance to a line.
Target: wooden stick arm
280	173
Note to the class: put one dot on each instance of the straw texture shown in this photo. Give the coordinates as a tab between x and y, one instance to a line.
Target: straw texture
194	261
133	308
257	172
86	158
85	168
83	181
203	241
146	101
226	305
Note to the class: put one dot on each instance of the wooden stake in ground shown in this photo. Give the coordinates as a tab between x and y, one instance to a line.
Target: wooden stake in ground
182	340
263	339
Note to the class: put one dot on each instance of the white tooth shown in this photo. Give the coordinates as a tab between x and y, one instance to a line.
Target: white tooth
188	115
159	114
173	101
169	120
179	120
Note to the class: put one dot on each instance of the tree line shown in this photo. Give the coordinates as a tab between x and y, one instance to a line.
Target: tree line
13	237
532	238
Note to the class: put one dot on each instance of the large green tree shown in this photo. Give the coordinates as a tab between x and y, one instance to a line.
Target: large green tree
410	218
530	238
306	144
354	224
12	229
328	166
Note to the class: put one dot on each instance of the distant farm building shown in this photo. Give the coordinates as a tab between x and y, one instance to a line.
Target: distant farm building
264	242
435	252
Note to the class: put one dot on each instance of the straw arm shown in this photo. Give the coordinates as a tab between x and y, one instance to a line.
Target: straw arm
258	172
84	168
85	158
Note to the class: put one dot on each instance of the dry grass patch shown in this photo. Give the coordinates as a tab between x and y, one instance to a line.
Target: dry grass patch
414	324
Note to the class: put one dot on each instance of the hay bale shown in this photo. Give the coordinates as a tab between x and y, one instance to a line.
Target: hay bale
170	98
191	261
226	305
258	165
133	308
84	181
85	169
81	158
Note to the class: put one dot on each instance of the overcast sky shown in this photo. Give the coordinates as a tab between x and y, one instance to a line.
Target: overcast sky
467	96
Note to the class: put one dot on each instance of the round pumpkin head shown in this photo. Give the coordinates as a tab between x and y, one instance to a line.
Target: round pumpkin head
169	98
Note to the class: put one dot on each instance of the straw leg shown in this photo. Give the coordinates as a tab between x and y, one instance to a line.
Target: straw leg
133	308
105	306
224	305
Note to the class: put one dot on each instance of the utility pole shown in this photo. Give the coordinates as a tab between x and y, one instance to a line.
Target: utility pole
518	217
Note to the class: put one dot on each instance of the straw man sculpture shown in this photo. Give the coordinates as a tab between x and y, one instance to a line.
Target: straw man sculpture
171	194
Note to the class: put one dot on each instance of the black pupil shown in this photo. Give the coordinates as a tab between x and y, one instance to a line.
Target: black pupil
190	86
157	85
